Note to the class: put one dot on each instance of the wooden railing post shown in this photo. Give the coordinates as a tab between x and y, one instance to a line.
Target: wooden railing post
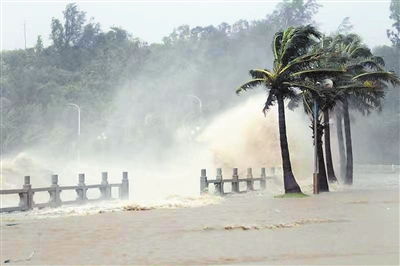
203	182
81	190
219	185
235	182
124	189
26	198
55	199
250	181
263	181
105	189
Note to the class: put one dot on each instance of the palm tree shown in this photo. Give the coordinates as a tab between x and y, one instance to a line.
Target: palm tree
321	93
366	94
324	47
328	151
291	49
339	133
360	66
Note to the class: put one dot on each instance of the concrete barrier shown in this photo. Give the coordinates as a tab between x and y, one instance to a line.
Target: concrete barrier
235	181
26	194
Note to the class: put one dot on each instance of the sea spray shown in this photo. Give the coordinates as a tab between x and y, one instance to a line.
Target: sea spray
243	137
239	137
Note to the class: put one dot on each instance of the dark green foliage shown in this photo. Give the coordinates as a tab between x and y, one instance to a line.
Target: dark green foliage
92	67
294	13
394	33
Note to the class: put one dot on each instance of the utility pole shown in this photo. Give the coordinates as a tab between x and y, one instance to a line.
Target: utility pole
78	109
316	165
326	84
25	33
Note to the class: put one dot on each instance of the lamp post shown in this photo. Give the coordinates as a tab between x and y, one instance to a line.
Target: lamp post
316	166
198	101
326	84
79	129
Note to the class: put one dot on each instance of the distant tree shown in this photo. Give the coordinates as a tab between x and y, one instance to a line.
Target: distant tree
294	13
345	26
39	45
394	33
69	34
73	24
118	34
90	36
57	34
241	25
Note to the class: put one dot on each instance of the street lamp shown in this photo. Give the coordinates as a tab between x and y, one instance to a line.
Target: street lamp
79	128
326	84
198	101
79	116
316	166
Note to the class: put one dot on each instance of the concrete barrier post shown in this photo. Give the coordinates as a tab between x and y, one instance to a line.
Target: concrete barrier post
124	189
26	198
105	188
55	199
235	182
81	190
203	182
250	181
219	185
273	172
263	181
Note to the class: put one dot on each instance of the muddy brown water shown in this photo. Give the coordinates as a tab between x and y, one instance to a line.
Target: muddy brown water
358	225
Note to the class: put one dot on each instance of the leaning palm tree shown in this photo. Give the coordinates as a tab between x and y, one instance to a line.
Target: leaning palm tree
327	105
291	49
360	66
313	93
366	94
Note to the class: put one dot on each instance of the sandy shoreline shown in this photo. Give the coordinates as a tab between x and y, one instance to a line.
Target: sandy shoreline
344	227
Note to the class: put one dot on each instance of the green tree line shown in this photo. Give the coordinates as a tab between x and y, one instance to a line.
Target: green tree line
93	67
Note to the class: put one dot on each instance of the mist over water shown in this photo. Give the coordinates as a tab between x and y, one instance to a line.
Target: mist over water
238	137
168	117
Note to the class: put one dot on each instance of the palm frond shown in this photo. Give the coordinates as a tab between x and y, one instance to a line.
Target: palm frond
303	86
379	60
302	61
364	103
269	102
318	73
276	44
296	41
359	51
250	85
388	77
360	65
294	101
262	73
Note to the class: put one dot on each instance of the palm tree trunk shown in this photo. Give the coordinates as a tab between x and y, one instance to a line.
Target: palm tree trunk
289	181
342	152
329	163
349	149
322	180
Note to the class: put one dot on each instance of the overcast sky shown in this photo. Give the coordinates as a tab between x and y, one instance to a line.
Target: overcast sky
152	20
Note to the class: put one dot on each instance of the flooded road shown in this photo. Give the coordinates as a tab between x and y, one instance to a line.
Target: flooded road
358	225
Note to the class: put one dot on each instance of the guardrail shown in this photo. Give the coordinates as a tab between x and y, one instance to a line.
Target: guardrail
219	181
377	168
26	194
